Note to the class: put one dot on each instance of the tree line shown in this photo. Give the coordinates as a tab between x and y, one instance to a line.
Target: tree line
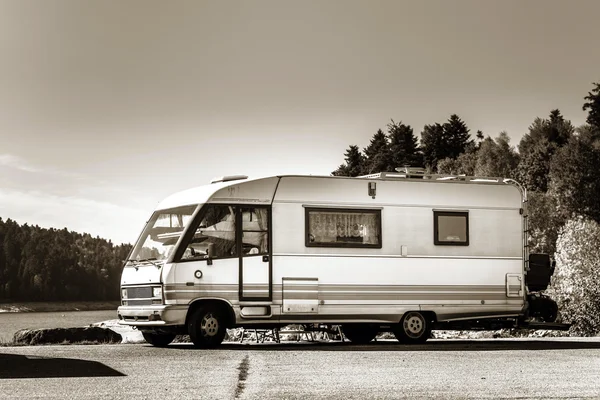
38	264
558	164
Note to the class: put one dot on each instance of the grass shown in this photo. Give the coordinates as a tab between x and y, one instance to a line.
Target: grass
58	306
6	343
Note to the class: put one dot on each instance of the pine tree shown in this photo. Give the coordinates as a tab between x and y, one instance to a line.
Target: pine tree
377	154
593	104
404	146
354	164
456	136
432	143
449	140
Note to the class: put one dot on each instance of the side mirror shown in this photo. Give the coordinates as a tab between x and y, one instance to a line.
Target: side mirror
210	253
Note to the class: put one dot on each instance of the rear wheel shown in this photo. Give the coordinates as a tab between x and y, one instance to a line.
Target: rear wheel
158	339
206	327
414	327
359	333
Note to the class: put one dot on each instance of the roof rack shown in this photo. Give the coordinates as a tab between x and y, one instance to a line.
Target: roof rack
403	172
419	173
415	173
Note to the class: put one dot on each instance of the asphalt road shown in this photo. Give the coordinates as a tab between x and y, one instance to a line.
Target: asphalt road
542	368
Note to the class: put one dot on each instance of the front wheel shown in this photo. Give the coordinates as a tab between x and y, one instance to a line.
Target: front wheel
206	327
414	327
158	339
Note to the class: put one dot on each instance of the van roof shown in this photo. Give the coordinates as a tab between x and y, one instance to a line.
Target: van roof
201	194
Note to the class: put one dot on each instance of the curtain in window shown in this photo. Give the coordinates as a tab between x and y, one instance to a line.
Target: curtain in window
255	229
263	223
331	227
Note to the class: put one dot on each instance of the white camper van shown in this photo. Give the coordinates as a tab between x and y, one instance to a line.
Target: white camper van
384	252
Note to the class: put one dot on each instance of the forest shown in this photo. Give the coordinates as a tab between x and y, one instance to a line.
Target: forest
38	264
557	162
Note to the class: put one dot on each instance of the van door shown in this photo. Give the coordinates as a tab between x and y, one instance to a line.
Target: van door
208	259
254	243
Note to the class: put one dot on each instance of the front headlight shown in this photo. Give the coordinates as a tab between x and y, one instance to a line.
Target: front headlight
157	291
123	293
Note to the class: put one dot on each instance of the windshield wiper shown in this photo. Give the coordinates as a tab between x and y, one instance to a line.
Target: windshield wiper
150	260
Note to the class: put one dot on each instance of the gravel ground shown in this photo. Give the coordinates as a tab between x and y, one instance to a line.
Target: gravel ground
500	368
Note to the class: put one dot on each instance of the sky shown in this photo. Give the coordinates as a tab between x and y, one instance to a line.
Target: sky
107	107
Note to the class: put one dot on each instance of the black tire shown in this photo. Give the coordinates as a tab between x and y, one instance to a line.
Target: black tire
359	333
550	311
414	327
158	339
207	327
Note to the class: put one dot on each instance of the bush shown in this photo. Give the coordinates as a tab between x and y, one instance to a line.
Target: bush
576	282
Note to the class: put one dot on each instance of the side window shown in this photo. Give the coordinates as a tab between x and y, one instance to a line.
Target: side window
451	228
216	230
255	231
327	227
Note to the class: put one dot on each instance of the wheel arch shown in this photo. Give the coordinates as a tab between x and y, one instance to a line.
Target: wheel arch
430	315
219	303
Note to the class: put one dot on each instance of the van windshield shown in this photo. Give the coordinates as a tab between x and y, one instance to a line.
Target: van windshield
162	233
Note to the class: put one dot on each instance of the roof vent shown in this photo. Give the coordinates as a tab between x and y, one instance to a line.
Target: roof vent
412	172
228	178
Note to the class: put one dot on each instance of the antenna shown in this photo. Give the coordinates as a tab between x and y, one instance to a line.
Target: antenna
228	178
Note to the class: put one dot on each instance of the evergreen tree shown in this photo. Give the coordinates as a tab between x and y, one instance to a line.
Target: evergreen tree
593	104
449	140
404	146
456	136
432	143
377	154
354	164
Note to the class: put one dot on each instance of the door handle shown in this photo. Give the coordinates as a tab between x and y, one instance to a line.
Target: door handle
265	258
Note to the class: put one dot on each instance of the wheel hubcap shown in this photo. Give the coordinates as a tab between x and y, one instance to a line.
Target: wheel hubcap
414	325
209	325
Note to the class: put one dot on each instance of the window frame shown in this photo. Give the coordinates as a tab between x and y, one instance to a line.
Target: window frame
437	214
308	243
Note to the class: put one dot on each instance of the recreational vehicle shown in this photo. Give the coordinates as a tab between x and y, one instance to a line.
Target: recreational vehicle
402	252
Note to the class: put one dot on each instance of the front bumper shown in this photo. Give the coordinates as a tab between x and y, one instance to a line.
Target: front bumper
154	315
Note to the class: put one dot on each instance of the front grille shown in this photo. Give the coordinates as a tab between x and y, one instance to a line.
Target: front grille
135	318
143	302
139	292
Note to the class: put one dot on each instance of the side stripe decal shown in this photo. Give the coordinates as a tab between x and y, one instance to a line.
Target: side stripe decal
345	292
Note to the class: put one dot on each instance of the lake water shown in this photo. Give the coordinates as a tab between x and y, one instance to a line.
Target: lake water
12	322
